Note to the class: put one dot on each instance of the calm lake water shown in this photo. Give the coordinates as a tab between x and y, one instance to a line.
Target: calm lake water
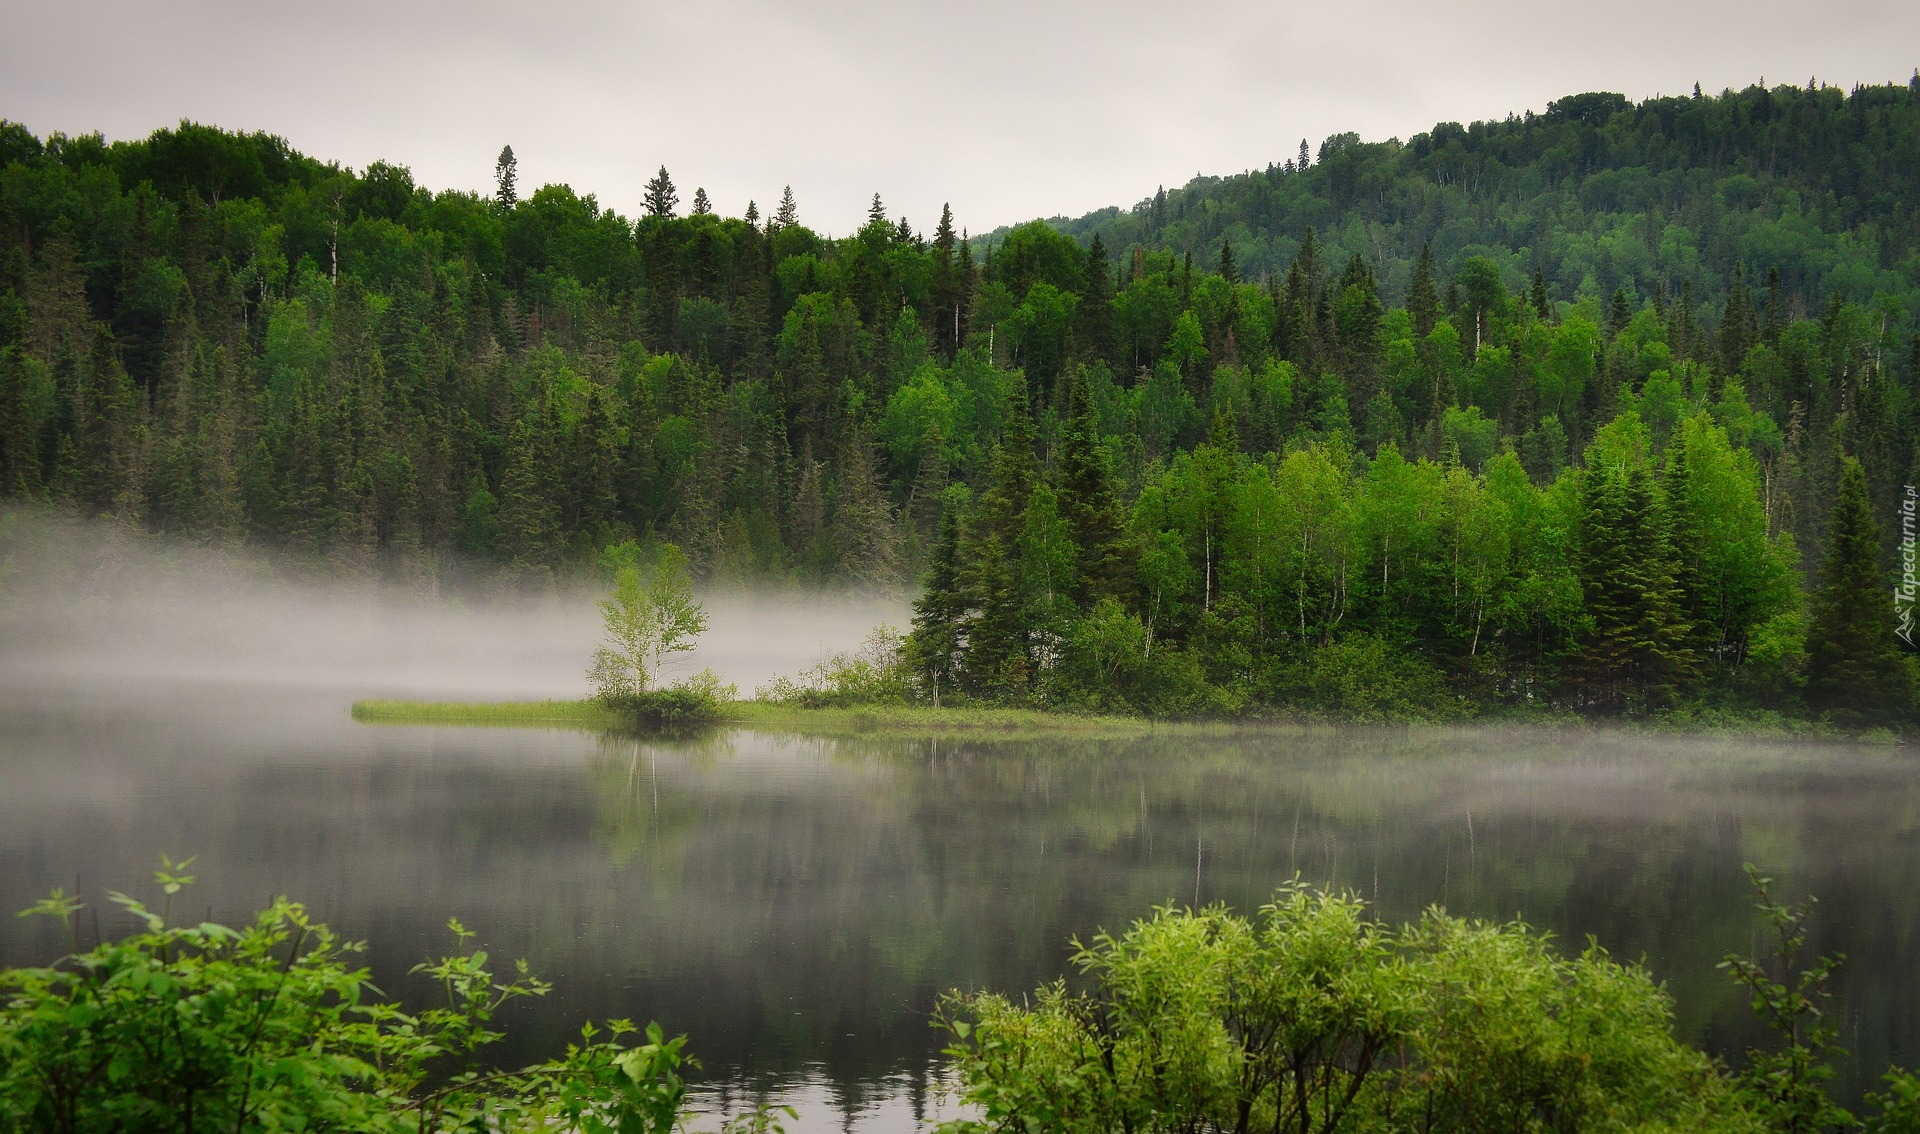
795	905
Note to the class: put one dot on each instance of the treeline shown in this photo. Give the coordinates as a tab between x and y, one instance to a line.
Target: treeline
1594	193
219	338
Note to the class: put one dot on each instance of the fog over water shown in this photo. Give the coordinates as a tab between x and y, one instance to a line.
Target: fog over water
85	604
796	905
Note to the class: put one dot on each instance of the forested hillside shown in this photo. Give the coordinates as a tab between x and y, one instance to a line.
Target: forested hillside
1548	411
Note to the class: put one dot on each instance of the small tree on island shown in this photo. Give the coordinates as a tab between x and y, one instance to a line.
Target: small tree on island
652	613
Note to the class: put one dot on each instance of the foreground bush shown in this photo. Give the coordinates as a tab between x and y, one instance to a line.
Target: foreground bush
273	1027
1313	1017
698	701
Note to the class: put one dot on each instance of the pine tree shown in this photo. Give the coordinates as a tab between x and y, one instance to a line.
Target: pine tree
661	197
752	214
1095	311
876	212
788	215
945	293
863	531
1423	298
1738	327
1092	508
1855	673
1618	312
504	172
997	653
1228	271
937	644
1637	656
1537	295
1306	157
701	205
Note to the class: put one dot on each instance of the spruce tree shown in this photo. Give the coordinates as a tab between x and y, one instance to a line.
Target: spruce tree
945	291
752	215
936	644
996	662
701	205
661	197
863	531
1091	507
1537	295
1228	271
1855	673
1637	656
876	212
788	214
1423	298
504	173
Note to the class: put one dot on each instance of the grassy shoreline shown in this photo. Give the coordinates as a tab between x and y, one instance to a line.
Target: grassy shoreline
904	720
910	721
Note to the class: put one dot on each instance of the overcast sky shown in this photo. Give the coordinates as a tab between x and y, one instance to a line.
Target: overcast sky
1010	110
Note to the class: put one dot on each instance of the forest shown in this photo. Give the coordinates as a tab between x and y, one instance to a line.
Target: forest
1602	410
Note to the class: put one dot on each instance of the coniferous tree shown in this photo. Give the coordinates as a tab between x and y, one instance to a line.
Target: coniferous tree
788	214
1228	271
1537	295
661	197
1636	656
752	215
1091	507
701	205
863	530
944	296
1423	298
938	641
1855	672
998	638
505	172
876	212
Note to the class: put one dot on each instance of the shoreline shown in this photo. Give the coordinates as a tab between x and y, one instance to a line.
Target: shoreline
994	721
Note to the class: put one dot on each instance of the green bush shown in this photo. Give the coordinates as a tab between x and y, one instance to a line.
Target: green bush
1367	680
275	1027
1313	1017
698	701
878	673
1110	663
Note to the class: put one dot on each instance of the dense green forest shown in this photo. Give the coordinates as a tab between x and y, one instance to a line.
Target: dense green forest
1606	409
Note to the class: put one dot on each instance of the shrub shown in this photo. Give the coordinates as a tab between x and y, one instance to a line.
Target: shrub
1365	679
274	1026
694	703
876	674
1314	1017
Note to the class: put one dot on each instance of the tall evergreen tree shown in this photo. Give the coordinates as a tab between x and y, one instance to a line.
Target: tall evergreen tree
701	205
937	644
1087	500
661	198
788	214
1228	270
505	171
1423	297
1855	672
1636	657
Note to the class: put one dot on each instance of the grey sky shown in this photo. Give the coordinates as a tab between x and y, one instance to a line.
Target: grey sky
1008	109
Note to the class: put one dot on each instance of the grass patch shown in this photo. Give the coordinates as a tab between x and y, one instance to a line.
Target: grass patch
529	714
899	720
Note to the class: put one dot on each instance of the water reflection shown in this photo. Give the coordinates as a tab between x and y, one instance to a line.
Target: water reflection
797	904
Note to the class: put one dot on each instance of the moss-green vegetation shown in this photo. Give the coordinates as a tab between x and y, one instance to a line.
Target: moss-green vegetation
275	1026
536	714
906	720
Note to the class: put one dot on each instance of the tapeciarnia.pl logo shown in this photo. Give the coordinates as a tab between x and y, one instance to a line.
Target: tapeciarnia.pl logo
1903	595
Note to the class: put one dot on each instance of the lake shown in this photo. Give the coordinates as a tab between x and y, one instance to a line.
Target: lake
796	905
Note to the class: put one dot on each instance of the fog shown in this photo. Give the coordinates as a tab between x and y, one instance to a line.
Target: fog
93	605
